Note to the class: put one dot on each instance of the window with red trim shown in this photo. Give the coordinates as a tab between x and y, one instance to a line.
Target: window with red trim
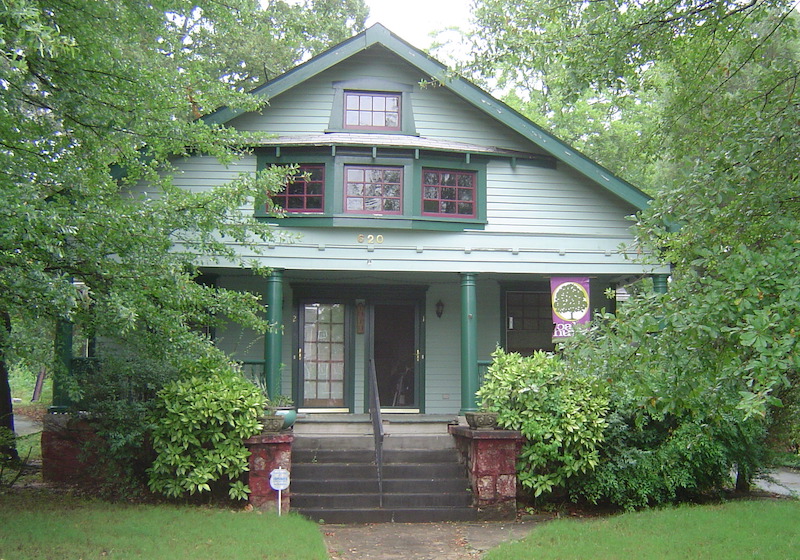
305	192
372	110
373	189
448	193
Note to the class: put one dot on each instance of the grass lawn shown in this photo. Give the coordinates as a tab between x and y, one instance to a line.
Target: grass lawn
57	526
732	531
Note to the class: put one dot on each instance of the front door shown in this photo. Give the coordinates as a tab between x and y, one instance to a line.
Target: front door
322	355
396	351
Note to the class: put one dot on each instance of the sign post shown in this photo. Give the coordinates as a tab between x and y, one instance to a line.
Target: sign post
279	480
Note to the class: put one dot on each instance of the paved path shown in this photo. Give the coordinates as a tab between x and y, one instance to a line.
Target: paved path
24	426
422	541
781	481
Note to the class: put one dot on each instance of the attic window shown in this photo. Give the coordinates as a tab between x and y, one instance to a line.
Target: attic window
372	110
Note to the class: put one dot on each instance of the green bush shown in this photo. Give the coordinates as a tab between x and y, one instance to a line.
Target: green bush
199	425
561	413
662	461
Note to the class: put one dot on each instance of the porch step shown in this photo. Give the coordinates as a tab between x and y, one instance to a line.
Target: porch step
334	479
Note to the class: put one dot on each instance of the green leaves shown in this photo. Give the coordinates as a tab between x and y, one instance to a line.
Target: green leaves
199	427
560	412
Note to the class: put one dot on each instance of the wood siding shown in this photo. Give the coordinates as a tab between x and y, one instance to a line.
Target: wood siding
438	113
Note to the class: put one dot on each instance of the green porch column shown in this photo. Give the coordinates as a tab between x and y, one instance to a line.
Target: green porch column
273	340
469	343
660	283
62	365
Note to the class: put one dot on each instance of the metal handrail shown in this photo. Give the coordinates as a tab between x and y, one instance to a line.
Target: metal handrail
377	425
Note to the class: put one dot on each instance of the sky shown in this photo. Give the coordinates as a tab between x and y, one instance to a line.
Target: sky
414	20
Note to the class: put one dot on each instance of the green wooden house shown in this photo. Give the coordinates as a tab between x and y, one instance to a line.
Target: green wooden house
429	219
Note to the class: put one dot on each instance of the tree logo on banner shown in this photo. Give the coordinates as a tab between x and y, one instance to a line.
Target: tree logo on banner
570	301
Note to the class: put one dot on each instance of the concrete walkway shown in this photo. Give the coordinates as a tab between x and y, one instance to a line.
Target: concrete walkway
422	541
24	426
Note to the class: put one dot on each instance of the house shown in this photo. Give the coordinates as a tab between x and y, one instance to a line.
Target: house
430	218
428	224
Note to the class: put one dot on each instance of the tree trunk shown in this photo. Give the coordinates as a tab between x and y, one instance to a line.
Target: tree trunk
742	481
6	407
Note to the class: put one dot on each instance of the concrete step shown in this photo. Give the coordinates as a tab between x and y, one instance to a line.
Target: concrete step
304	442
390	455
390	485
390	515
304	501
363	471
361	424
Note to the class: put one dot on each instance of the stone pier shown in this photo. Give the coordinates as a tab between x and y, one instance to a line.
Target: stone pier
269	452
491	459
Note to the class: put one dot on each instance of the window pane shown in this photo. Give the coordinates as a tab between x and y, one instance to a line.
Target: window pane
393	175
355	189
430	207
429	178
392	121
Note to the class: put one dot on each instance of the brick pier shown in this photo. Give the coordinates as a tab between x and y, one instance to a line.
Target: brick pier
268	452
491	459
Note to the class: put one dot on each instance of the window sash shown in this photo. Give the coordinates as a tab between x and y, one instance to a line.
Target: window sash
305	192
373	190
448	192
372	110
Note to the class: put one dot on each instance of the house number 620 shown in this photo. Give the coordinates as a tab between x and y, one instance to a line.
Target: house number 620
369	238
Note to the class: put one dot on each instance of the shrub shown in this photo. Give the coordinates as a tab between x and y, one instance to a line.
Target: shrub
663	461
199	425
561	414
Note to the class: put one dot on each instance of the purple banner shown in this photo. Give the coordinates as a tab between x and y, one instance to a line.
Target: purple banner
569	297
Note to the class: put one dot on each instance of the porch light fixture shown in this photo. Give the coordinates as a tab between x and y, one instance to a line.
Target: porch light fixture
439	309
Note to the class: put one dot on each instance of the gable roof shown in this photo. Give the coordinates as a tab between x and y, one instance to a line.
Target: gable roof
466	90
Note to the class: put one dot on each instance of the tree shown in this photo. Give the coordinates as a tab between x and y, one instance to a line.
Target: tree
100	96
721	347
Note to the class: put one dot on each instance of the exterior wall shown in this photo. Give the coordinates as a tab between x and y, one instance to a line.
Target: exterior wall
438	114
532	200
